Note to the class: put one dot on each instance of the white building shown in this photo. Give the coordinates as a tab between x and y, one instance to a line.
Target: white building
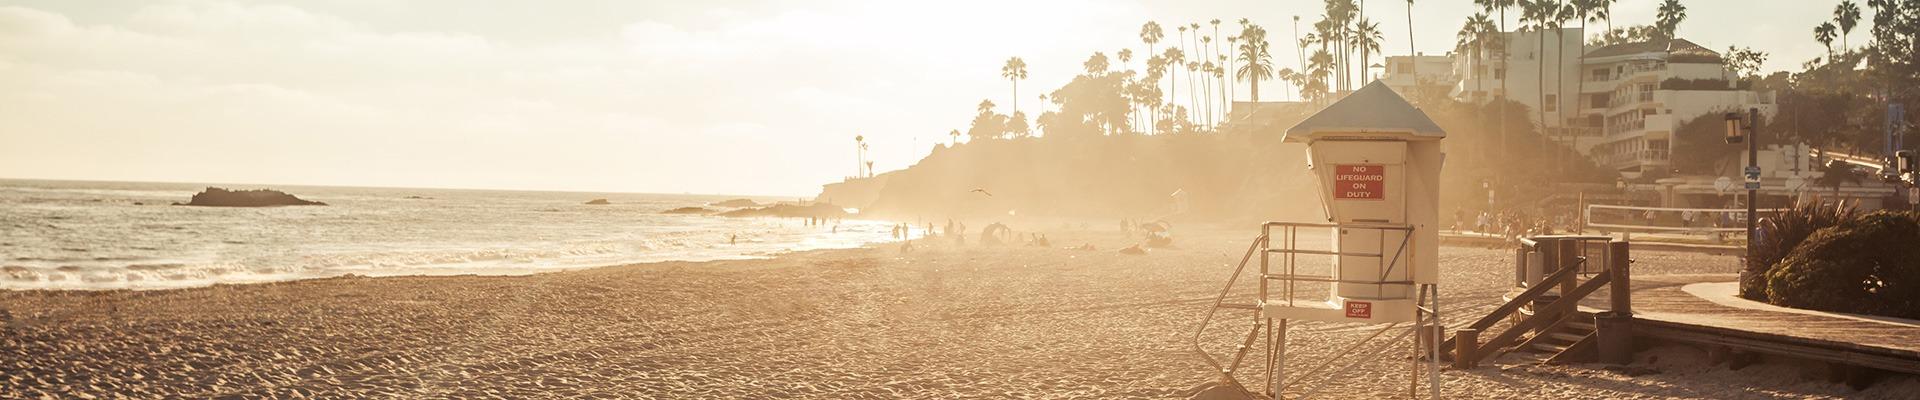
1637	95
1431	71
1530	64
1619	105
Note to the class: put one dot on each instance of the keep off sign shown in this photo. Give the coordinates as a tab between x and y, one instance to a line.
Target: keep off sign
1359	309
1359	182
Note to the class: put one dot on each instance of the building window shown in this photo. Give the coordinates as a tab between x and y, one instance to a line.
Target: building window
1500	73
1553	103
1405	68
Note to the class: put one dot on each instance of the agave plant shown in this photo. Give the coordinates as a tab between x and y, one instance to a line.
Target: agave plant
1779	235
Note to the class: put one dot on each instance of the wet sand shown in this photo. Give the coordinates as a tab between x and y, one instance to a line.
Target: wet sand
941	322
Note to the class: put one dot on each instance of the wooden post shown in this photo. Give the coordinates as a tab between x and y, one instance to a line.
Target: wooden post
1622	277
1569	252
1466	344
1550	256
1614	329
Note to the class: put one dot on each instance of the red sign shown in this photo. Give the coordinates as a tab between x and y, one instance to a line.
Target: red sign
1359	182
1359	309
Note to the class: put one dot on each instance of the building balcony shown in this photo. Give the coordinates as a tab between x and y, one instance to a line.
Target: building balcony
1632	159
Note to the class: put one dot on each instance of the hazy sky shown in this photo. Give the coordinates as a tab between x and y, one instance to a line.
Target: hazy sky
715	96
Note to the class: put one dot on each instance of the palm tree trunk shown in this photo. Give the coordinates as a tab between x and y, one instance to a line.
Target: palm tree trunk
1413	54
1254	85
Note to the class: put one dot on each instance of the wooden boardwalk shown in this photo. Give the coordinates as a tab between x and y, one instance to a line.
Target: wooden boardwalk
1699	309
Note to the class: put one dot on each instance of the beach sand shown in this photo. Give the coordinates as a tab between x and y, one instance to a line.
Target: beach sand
941	322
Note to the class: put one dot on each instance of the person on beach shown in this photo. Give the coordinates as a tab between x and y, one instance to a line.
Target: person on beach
733	238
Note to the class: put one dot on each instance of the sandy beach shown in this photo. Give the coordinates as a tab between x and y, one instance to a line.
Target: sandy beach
941	322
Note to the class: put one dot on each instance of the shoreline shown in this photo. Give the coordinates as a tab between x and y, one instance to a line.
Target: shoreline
942	321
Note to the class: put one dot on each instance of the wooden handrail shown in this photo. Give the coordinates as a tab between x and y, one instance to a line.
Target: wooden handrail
1524	298
1566	303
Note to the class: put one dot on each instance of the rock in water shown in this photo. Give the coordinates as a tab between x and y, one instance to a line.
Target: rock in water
816	210
598	202
219	197
689	211
737	203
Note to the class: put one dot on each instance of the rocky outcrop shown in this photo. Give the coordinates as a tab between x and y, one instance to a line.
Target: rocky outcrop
689	211
220	197
736	203
816	210
598	202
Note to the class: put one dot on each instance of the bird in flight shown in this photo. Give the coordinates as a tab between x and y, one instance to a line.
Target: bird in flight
982	191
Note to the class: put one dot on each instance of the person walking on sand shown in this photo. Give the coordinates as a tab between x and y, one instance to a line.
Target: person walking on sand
733	238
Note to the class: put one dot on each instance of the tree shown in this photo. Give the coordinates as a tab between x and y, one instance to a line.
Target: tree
1150	34
1410	48
1534	17
1847	13
1319	69
1825	34
1669	17
1015	70
1471	42
1206	81
1744	61
1366	38
986	123
1837	173
1256	63
1501	6
956	136
1174	59
1096	64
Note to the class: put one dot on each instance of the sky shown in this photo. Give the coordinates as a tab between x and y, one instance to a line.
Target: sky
712	97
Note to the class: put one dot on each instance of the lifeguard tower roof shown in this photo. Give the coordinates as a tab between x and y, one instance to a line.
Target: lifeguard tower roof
1373	111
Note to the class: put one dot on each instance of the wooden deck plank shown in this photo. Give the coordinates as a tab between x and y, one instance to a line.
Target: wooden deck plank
1880	343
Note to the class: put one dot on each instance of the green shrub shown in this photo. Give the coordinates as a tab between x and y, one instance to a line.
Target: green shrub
1781	234
1865	265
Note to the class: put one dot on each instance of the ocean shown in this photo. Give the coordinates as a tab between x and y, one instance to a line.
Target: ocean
126	235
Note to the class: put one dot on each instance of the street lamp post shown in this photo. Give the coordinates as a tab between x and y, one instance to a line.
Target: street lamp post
1750	133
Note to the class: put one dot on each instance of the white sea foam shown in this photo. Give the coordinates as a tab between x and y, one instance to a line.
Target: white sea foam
92	235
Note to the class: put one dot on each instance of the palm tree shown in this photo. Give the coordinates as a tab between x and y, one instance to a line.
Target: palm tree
1825	34
956	136
1500	7
1561	14
1319	70
1603	10
1669	17
860	156
1366	38
1216	33
1126	62
1174	59
1534	16
1097	64
1206	81
1014	71
1150	34
1585	11
1182	62
1255	62
1473	39
1415	71
1232	43
1847	13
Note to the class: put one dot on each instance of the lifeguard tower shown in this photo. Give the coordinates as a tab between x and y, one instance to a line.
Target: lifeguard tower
1377	160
